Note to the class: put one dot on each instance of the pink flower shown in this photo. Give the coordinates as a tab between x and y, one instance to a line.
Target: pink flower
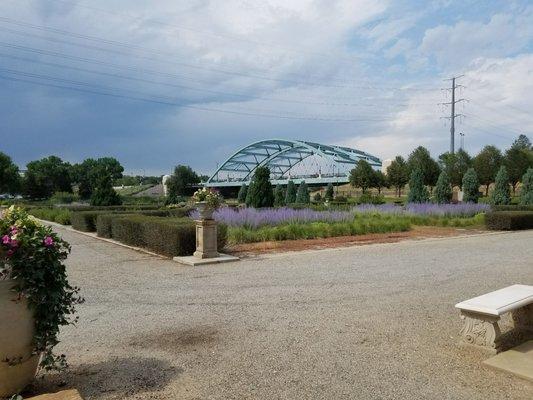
48	241
14	230
6	239
14	243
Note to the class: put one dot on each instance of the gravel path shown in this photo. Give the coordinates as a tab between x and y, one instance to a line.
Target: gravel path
367	322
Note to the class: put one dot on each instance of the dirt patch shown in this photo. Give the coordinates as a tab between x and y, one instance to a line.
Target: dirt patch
419	232
117	378
177	340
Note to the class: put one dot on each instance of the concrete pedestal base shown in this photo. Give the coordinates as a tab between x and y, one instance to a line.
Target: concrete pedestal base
195	261
206	239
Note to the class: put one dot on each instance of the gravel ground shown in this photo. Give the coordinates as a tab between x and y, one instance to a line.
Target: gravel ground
367	322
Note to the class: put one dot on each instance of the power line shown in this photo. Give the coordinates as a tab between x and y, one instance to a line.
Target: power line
159	52
110	92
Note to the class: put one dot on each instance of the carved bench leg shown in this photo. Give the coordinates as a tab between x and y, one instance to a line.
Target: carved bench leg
481	330
523	318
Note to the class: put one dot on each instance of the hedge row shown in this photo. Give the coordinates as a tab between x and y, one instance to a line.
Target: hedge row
509	220
162	235
86	220
133	207
513	207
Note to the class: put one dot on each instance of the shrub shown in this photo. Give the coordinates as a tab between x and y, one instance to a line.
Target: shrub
290	194
167	236
59	215
104	194
63	198
368	198
317	198
443	189
417	191
509	220
260	193
502	192
470	186
84	221
526	195
513	207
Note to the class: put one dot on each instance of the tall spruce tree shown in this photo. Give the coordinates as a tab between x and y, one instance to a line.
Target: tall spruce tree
443	189
417	191
104	194
501	193
470	186
279	196
526	194
243	191
290	195
302	196
260	193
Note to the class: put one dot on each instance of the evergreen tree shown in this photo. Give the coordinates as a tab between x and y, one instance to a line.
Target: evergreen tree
329	192
397	174
443	189
417	191
526	195
104	194
243	191
260	193
279	196
302	196
290	195
470	186
502	193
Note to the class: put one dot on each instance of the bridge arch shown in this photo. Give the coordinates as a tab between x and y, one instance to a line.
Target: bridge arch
284	157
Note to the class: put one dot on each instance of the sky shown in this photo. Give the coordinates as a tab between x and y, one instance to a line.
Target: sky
156	84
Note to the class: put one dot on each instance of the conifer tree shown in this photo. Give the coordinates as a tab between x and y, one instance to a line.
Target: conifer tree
279	196
290	195
526	196
302	197
104	194
329	192
501	193
260	193
443	189
470	186
243	191
417	191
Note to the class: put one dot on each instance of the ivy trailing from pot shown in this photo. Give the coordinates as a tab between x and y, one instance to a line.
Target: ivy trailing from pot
32	256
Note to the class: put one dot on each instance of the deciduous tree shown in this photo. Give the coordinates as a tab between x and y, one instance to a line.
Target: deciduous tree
9	175
46	176
363	176
421	158
486	164
397	174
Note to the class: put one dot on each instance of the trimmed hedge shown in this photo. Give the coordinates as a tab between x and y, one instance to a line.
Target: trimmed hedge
86	221
59	215
167	236
513	207
509	220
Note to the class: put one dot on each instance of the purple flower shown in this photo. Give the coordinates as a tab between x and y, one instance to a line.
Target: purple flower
48	241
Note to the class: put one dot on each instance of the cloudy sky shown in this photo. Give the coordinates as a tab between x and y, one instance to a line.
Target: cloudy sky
160	83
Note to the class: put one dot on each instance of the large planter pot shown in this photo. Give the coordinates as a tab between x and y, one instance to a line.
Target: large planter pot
204	210
16	335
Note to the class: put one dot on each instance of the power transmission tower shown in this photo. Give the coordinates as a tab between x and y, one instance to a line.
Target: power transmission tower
453	115
462	140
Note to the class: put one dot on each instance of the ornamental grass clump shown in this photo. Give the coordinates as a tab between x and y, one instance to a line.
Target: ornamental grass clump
32	255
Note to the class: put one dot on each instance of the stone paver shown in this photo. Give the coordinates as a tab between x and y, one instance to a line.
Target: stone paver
368	322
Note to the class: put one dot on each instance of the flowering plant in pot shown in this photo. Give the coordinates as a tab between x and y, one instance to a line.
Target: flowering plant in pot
207	201
36	299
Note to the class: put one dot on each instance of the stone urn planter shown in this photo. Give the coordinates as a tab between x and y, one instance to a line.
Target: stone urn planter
18	365
205	211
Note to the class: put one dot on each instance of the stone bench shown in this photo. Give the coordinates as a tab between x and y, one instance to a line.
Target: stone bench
481	314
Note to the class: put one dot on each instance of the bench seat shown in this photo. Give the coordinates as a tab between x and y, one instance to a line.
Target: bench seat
481	314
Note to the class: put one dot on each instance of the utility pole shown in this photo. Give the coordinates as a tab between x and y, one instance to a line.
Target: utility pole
462	140
453	115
